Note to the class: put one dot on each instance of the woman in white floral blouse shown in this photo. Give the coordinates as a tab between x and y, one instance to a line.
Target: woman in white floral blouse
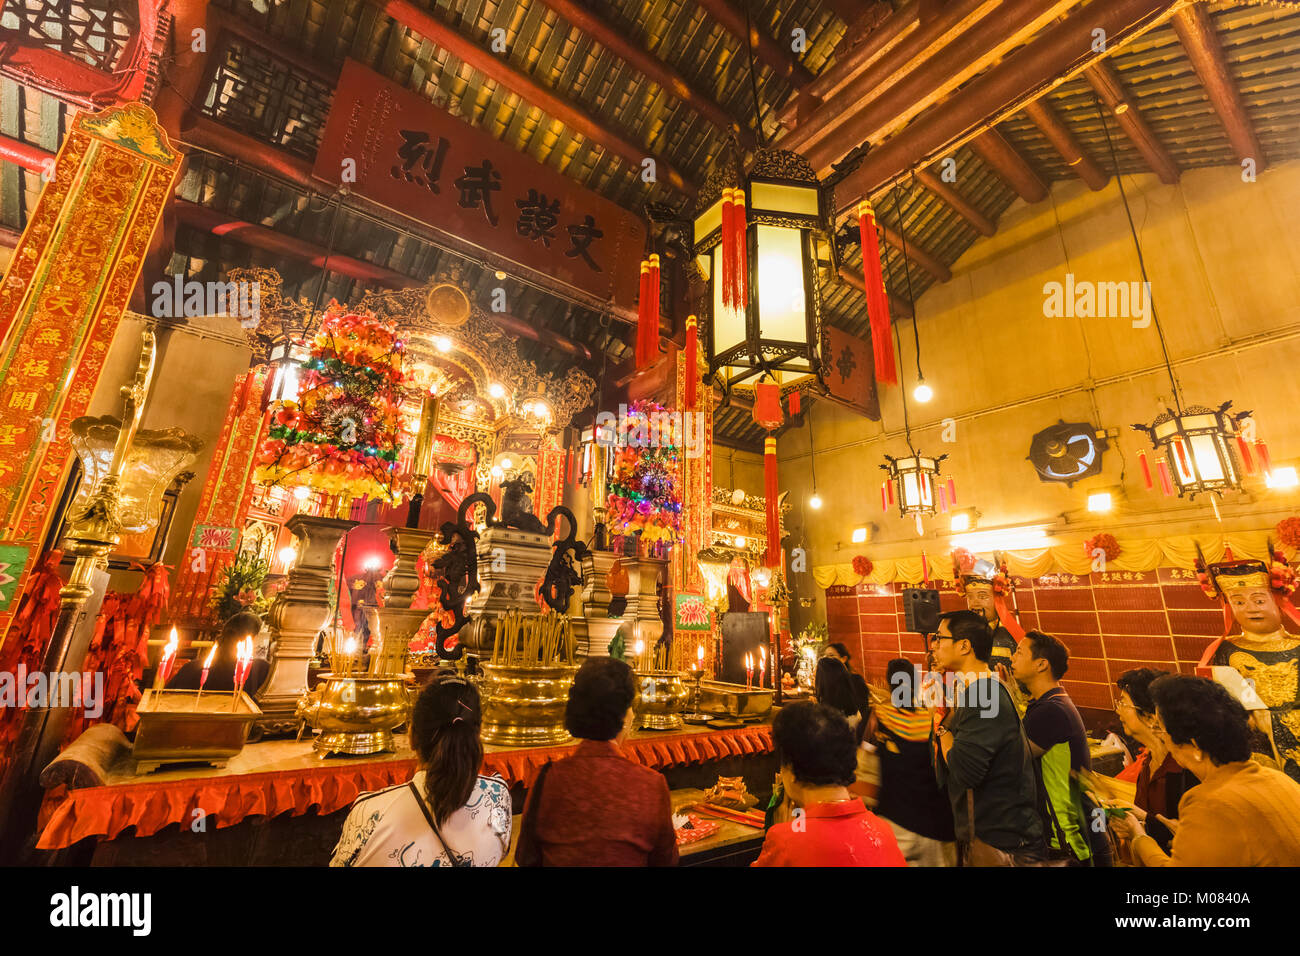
449	814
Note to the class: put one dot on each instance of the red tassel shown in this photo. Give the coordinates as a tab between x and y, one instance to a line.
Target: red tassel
1264	461
742	252
1182	457
925	570
882	342
943	500
729	263
952	493
1166	484
692	362
773	509
796	403
1246	461
884	502
890	485
568	468
1146	469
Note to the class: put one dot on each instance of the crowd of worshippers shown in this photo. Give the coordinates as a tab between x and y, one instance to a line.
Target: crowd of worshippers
990	766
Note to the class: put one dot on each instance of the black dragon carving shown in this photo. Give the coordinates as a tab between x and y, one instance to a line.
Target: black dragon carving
561	576
457	569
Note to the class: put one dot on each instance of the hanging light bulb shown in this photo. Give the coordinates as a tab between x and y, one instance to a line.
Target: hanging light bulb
923	392
815	502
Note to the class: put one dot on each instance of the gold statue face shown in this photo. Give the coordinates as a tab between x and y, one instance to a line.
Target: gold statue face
1256	610
979	598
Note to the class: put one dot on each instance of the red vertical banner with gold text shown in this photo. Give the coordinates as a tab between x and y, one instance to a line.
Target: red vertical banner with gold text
61	300
224	503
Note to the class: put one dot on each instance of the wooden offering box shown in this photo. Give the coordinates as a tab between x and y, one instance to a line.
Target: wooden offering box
180	726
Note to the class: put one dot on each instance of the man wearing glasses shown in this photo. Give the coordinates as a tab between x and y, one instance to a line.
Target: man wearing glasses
981	756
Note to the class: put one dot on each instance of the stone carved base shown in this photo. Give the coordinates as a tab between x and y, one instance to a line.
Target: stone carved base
511	563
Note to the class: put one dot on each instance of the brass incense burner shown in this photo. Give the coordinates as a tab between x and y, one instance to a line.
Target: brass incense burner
524	705
660	700
356	715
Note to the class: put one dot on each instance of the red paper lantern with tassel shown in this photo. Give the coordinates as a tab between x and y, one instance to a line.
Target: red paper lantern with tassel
882	340
767	405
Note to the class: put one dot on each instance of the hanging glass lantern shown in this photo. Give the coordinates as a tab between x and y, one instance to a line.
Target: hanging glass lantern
715	566
1198	444
913	483
760	243
286	357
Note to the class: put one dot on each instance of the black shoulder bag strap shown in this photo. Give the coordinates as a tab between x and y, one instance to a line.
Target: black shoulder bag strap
456	858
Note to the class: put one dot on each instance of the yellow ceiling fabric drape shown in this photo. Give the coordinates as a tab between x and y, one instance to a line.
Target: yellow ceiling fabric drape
1136	554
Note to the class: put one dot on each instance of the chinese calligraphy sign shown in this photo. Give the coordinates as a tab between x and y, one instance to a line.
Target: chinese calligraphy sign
421	161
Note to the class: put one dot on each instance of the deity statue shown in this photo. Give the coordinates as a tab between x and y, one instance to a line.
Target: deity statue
1258	597
988	588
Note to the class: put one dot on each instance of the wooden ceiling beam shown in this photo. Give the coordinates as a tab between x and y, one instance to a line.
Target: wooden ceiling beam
1106	82
852	56
876	105
662	73
880	75
1005	160
1060	51
898	306
960	204
1066	144
577	118
778	58
922	257
1199	38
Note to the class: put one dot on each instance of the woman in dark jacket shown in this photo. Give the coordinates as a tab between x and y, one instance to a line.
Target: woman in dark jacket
1161	781
910	798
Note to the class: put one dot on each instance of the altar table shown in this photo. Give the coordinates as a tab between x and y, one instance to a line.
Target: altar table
274	778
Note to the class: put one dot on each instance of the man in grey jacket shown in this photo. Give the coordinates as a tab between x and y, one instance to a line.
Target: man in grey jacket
980	753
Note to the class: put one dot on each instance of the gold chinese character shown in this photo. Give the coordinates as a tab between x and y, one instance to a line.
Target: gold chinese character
24	401
49	337
9	434
37	367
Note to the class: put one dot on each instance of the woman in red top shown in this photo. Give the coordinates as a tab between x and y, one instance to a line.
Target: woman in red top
596	807
830	827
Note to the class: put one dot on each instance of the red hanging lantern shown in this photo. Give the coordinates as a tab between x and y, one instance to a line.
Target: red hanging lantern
882	342
767	405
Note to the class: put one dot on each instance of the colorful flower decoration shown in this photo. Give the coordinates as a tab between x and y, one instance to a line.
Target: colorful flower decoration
341	435
643	495
1288	532
1105	543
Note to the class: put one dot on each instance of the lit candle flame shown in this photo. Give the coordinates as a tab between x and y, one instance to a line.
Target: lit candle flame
211	654
173	642
699	654
350	646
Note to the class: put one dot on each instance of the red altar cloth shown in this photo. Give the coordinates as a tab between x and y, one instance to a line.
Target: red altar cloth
150	805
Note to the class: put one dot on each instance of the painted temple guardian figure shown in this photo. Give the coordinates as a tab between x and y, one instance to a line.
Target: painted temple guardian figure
1265	655
988	588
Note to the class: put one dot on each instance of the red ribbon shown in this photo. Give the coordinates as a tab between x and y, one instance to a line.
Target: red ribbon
1146	469
1247	462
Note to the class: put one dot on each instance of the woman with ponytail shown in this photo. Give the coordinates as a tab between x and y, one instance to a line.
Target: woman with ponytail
449	814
